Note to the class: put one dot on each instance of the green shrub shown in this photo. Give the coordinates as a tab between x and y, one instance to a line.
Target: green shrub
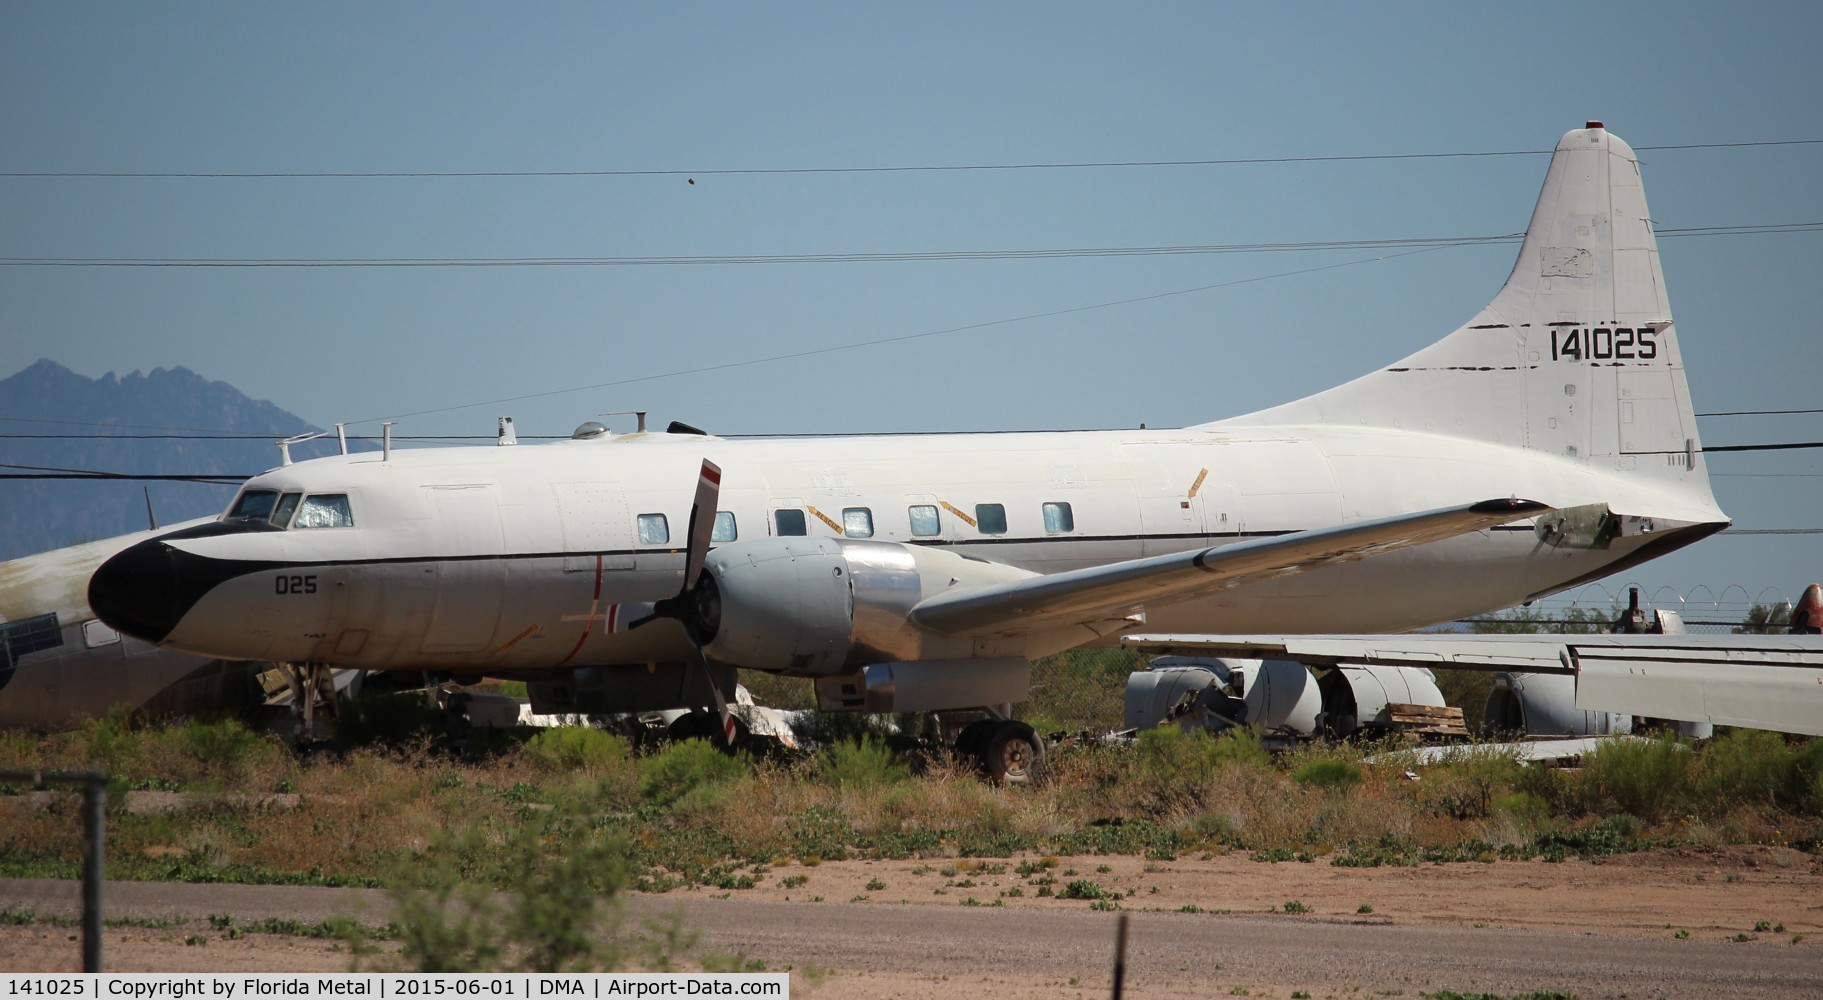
1170	764
576	748
1523	808
1328	774
226	748
560	915
1647	778
683	767
111	745
1803	791
866	762
1465	782
1742	767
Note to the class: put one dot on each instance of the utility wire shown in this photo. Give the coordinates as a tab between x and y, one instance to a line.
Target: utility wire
915	168
1425	242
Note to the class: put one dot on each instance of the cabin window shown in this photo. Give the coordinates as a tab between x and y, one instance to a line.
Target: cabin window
858	522
96	632
790	521
324	510
991	518
654	529
253	505
287	506
725	529
29	635
1058	519
924	523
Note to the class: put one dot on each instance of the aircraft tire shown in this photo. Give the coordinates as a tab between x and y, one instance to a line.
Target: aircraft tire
971	743
1013	755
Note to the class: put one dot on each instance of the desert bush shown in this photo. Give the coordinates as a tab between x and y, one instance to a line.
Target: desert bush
1328	774
1803	791
1465	782
112	745
225	749
1742	767
1644	778
678	769
567	749
563	874
1170	766
863	763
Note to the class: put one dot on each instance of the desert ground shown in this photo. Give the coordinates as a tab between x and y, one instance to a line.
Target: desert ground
1742	921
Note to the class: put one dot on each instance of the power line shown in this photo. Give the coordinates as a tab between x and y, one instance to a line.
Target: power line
913	168
1423	242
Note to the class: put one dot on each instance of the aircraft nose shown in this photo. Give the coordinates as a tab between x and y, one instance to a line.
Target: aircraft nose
136	591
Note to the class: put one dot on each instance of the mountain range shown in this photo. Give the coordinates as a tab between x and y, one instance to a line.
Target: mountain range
54	420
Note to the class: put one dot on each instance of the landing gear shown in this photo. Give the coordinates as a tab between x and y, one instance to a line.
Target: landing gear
1005	751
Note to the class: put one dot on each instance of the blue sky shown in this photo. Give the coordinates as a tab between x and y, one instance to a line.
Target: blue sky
706	87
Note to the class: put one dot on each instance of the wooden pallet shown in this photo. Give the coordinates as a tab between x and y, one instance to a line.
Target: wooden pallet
1437	720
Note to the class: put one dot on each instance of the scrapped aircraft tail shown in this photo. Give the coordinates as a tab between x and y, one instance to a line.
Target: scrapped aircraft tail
1576	356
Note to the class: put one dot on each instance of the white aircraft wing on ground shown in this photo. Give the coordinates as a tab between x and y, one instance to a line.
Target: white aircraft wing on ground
1770	682
1113	592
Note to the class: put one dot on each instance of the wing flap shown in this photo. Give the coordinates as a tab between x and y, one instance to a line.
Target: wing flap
1100	593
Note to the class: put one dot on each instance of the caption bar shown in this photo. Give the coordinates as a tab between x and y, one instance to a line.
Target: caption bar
532	986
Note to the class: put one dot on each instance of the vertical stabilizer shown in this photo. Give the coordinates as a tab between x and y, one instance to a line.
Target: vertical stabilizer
1576	356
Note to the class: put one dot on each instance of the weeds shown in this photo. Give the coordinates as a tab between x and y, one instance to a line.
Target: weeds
692	815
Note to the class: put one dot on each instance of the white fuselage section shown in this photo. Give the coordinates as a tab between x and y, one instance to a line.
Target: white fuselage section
529	558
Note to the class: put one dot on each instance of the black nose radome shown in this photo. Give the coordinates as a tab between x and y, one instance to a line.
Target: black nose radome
145	589
136	591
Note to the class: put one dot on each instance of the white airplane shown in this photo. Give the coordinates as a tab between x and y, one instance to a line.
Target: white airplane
60	665
924	573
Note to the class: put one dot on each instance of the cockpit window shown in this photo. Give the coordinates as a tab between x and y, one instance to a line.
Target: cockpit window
253	505
324	510
287	505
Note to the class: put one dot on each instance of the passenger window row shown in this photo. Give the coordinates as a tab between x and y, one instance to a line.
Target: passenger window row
858	522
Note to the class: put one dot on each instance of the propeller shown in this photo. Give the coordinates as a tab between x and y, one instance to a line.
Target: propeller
697	605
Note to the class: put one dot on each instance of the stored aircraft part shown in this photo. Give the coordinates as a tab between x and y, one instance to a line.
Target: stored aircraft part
1282	698
1758	681
1545	705
1364	697
926	685
1278	696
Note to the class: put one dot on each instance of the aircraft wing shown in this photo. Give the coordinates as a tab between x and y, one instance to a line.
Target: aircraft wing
1101	594
1759	681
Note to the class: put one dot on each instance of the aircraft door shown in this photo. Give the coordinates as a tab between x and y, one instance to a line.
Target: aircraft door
1168	481
471	578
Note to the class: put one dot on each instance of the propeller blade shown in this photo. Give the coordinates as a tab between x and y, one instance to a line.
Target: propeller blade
702	521
721	708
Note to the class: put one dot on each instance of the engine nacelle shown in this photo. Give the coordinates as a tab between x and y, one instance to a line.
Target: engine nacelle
1278	696
1545	705
815	607
1360	697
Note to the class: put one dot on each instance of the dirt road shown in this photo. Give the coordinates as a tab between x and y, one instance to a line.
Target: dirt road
903	929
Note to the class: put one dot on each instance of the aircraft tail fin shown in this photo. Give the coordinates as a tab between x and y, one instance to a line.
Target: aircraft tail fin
1577	355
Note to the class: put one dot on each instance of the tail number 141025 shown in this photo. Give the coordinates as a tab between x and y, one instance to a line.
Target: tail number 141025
1604	344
